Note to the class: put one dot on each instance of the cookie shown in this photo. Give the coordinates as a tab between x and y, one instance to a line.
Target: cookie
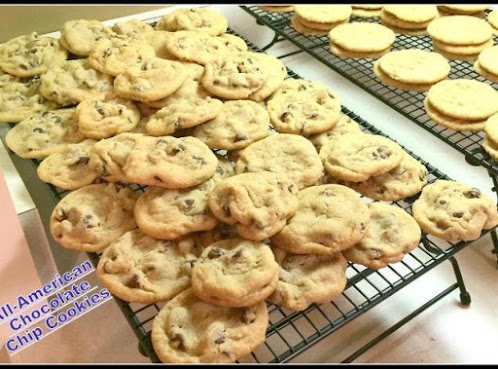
170	162
132	28
31	55
491	128
320	26
488	60
203	20
417	14
277	74
196	47
391	234
493	21
385	78
189	330
362	37
239	123
306	31
339	51
460	30
80	36
74	81
277	8
92	217
102	119
152	80
233	43
259	204
329	219
405	31
456	124
323	13
365	11
464	99
367	6
68	168
307	279
20	98
158	39
454	211
490	147
483	72
139	268
291	155
236	76
462	9
304	107
168	214
235	273
357	157
343	126
114	56
453	56
43	134
405	180
464	50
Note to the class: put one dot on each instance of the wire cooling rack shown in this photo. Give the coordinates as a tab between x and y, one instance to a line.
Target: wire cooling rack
290	333
360	72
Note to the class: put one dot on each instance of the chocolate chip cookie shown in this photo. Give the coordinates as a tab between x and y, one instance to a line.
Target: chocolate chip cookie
203	20
80	36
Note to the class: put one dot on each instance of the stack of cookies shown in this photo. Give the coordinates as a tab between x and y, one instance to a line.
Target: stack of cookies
457	9
460	37
490	143
318	20
408	19
461	104
487	64
366	11
493	21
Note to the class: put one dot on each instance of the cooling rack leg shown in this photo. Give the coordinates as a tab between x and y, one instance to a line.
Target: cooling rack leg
494	238
276	38
464	294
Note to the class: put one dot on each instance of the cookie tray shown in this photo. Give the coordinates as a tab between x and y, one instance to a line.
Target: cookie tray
360	71
289	333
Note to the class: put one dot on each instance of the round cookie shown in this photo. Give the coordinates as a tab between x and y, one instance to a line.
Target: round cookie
454	211
329	219
488	60
31	55
168	214
450	122
196	47
307	279
321	26
490	147
405	31
463	9
493	21
170	162
385	78
157	39
233	43
412	13
304	107
391	233
277	74
102	119
80	36
277	8
203	20
483	72
235	273
395	23
365	13
240	123
68	168
93	216
43	134
323	13
367	6
362	37
259	204
134	28
339	51
460	30
491	128
152	80
188	330
461	50
453	56
405	180
356	157
464	99
343	126
293	156
74	81
306	31
139	268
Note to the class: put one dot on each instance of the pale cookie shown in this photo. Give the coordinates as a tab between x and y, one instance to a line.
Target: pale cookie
393	22
20	98
365	13
463	9
92	217
307	279
134	28
259	204
321	26
456	124
43	134
81	36
412	13
233	43
188	330
357	157
152	80
460	30
448	12
493	21
344	125
168	214
461	50
237	76
405	180
385	78
203	20
405	31
235	273
362	37
339	51
102	119
75	81
301	28
139	268
414	66
69	167
488	60
454	211
391	234
451	56
109	156
196	47
157	40
367	6
277	8
277	74
491	128
329	219
239	123
291	155
304	107
483	72
170	162
490	147
464	99
323	13
31	55
116	55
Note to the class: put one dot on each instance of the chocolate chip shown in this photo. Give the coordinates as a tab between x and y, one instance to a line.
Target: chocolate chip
107	53
238	254
101	112
240	137
286	115
177	341
302	88
120	111
291	106
215	253
422	175
176	150
158	179
442	202
313	116
248	316
216	82
134	282
61	216
220	170
178	123
23	67
82	160
199	159
150	268
220	338
473	194
57	119
383	152
363	226
38	130
257	224
226	210
188	203
87	221
113	257
32	51
458	214
326	193
291	188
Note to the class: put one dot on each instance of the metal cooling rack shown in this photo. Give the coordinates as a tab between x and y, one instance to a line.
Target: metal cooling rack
290	333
